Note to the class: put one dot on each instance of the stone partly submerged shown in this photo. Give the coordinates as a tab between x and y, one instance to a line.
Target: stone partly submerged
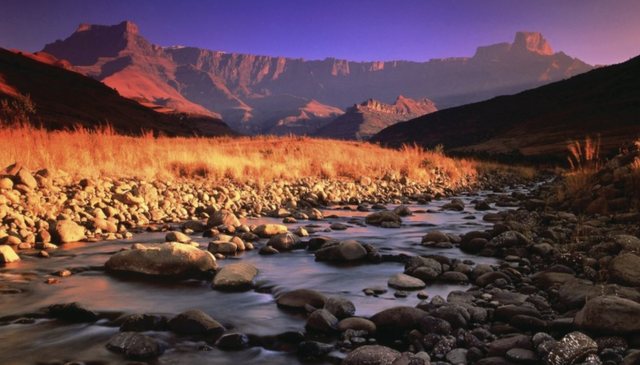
166	260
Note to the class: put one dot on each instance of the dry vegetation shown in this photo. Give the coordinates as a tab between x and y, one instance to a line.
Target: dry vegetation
83	153
585	163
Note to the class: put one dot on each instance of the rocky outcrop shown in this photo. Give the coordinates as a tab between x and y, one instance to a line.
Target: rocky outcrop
362	121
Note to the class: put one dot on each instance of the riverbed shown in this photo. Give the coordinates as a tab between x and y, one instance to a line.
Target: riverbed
27	336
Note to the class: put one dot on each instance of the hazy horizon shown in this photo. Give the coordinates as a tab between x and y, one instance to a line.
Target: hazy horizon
597	32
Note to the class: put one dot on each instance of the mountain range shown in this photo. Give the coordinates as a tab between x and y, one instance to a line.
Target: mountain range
601	104
264	94
65	98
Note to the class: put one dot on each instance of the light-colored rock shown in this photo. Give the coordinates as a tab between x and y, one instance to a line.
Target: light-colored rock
235	277
405	282
270	230
67	231
170	259
8	255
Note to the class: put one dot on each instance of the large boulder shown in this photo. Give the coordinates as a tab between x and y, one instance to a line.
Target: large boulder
7	254
623	270
235	277
284	241
67	231
168	260
372	355
609	315
341	251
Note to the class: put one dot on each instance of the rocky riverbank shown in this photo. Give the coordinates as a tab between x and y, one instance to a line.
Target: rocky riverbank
567	291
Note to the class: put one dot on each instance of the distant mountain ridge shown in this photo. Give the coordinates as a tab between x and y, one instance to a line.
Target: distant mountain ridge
235	85
362	121
65	98
536	123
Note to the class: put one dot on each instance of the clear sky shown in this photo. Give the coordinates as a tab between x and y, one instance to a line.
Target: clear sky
596	31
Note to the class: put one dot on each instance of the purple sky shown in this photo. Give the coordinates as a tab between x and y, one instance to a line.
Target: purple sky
596	31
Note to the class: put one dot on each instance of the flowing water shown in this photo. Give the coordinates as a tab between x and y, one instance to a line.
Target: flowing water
49	341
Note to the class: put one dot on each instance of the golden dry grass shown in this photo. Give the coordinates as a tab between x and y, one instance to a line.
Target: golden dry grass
585	162
91	154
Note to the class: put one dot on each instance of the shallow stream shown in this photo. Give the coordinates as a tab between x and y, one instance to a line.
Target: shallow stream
49	341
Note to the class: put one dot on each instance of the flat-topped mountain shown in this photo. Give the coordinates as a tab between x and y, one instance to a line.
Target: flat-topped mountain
537	122
233	85
362	121
65	98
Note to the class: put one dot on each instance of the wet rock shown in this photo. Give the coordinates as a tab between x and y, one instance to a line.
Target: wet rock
435	236
572	349
357	324
371	355
177	237
321	320
458	316
195	321
67	231
454	277
222	247
405	282
268	250
341	251
270	230
392	321
491	277
609	315
223	217
435	325
169	260
340	307
72	312
143	323
233	342
235	277
313	349
623	270
631	359
378	218
402	211
457	356
8	255
284	241
135	346
300	298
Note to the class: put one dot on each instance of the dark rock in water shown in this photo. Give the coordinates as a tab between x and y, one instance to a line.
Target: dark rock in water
402	210
609	315
316	242
195	321
340	307
268	250
322	320
233	342
341	251
631	359
371	355
392	321
72	312
313	349
490	277
284	241
572	349
143	322
135	346
357	324
298	299
378	218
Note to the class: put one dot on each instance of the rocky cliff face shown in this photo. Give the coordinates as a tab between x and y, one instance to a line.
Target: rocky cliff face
362	121
233	84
